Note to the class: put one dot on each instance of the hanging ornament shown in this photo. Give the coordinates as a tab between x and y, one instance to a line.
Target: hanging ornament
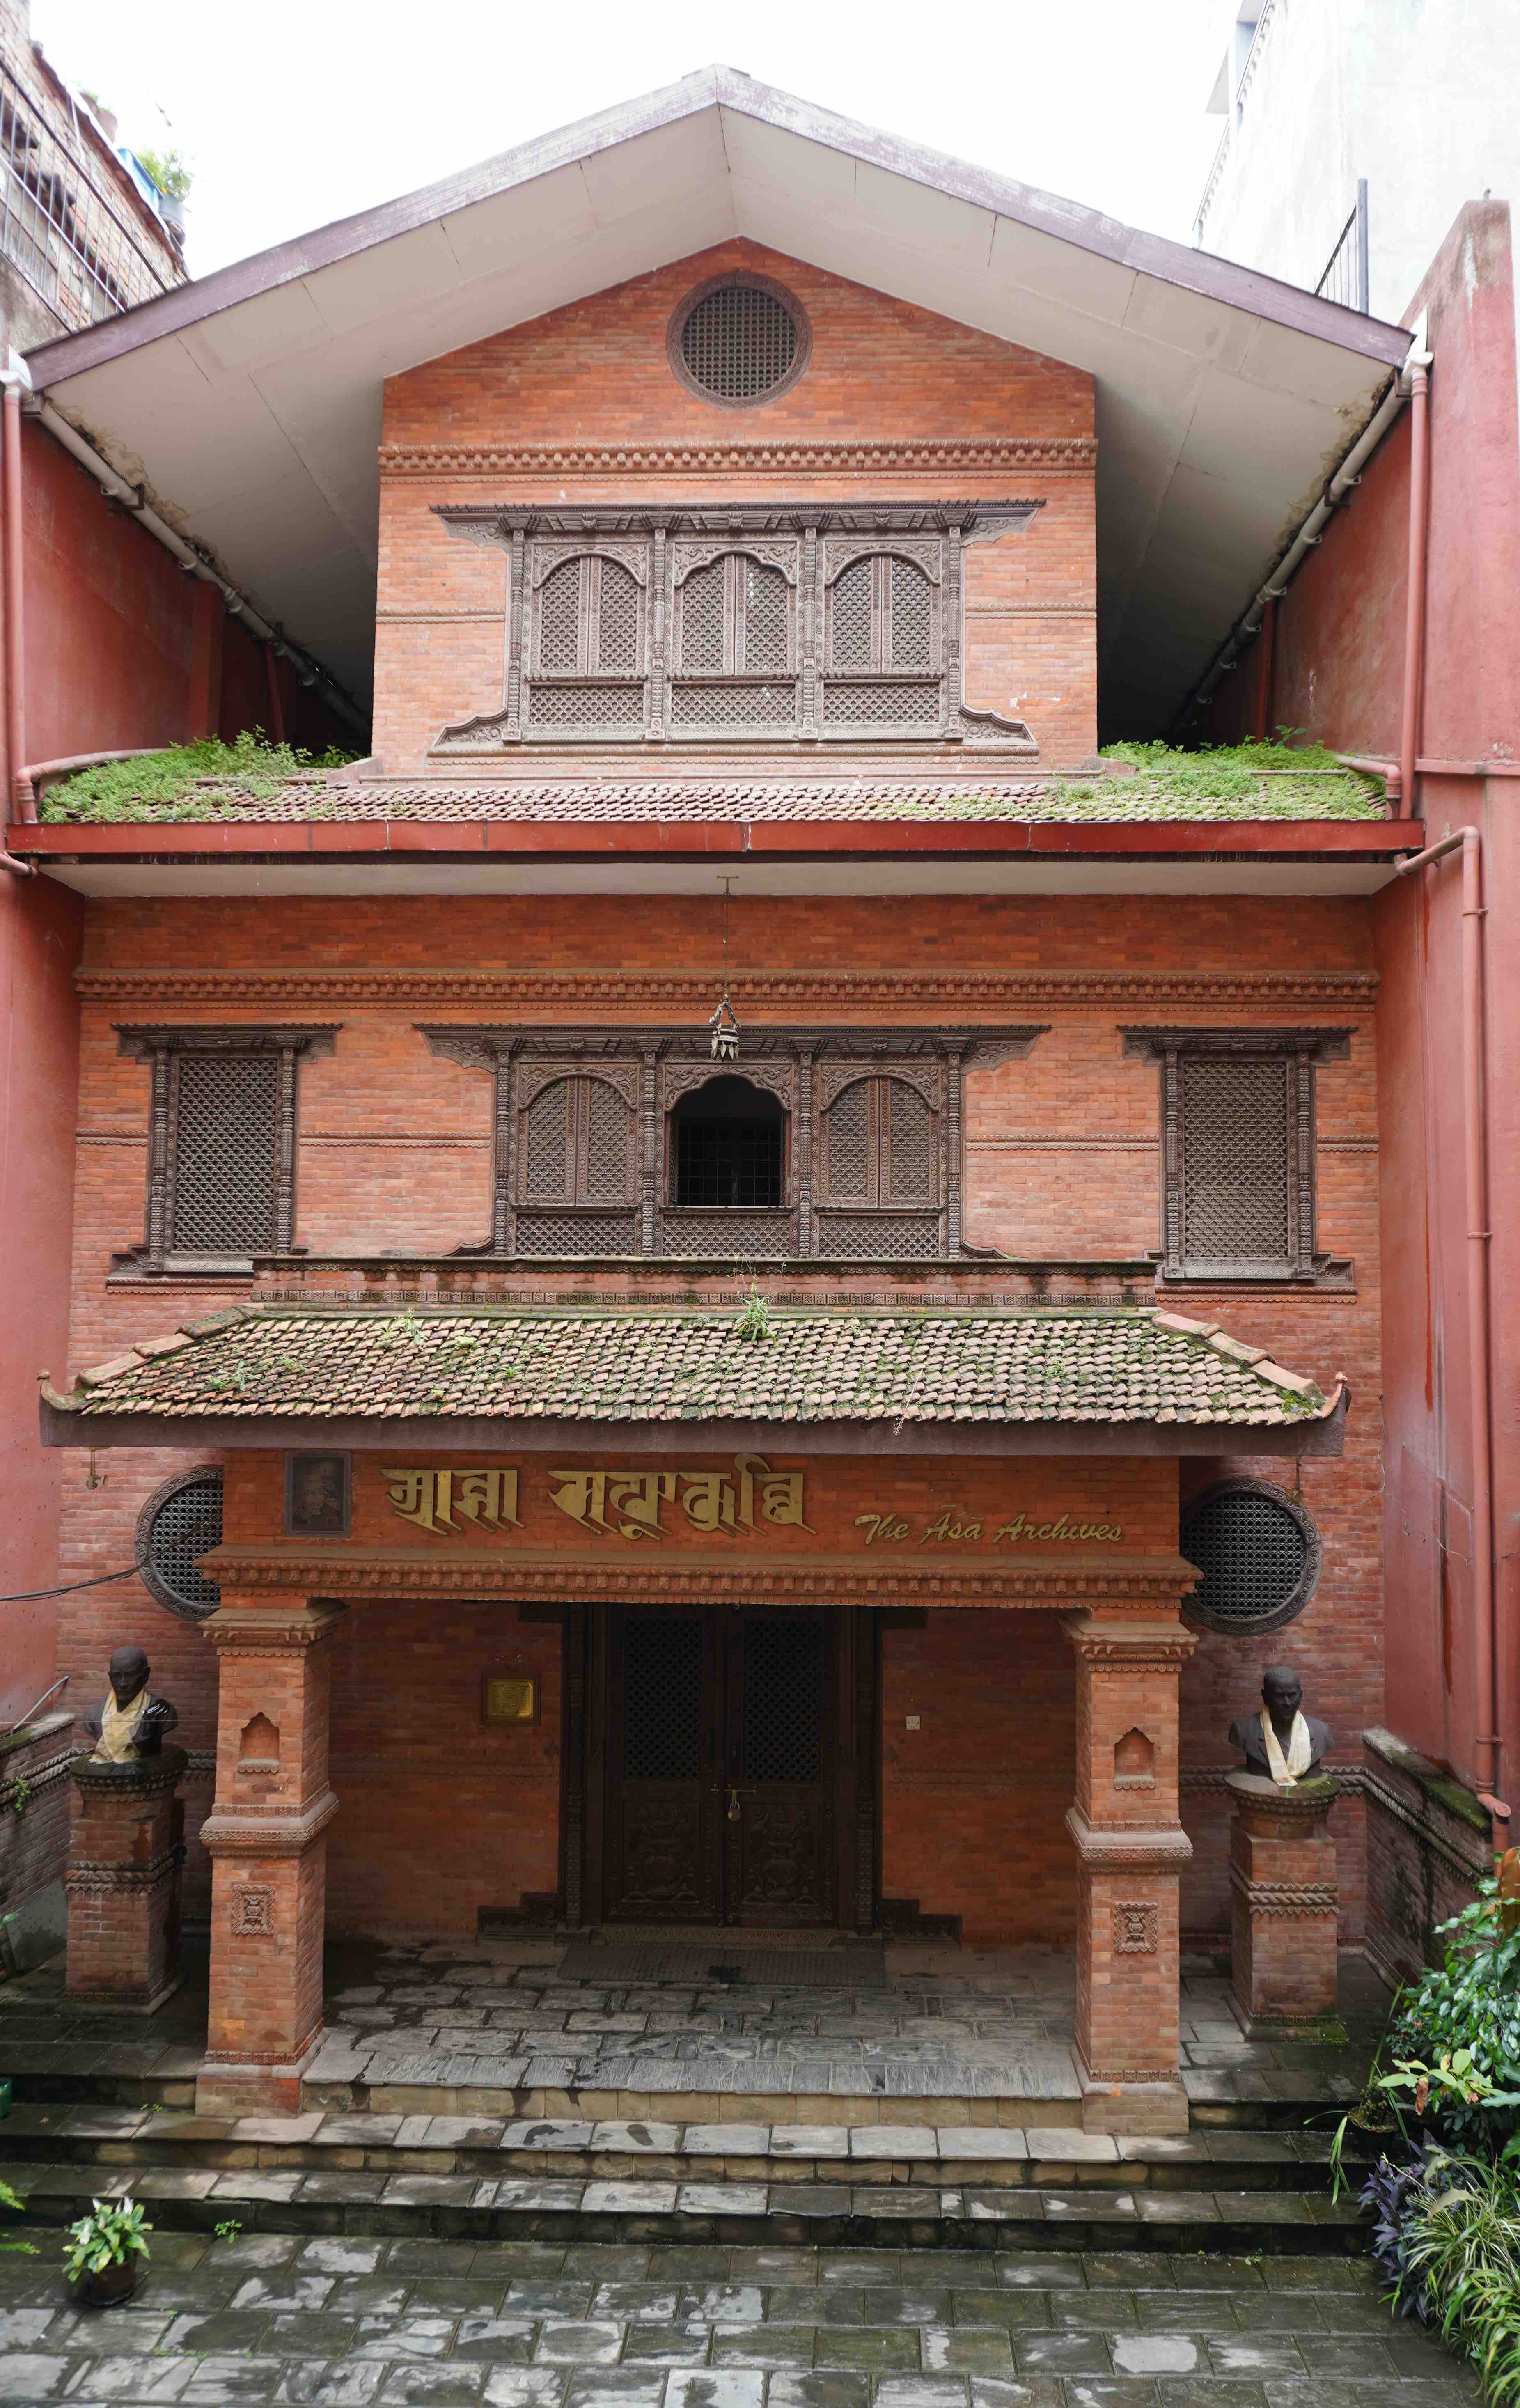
723	1026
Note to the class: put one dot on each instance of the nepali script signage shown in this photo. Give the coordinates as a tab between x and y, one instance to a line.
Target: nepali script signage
745	1499
607	1501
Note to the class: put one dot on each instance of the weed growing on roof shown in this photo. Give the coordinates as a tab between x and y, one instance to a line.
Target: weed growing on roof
1274	781
188	781
755	1322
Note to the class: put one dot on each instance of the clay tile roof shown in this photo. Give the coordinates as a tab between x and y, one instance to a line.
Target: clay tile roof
1306	795
638	1366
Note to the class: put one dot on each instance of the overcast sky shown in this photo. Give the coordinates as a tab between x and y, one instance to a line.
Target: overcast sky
293	116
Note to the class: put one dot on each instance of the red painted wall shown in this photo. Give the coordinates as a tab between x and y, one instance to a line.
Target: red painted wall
1338	674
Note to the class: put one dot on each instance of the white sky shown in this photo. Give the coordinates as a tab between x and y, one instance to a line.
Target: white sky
293	116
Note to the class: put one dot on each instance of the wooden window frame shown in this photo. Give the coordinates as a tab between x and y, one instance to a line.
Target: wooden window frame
1299	1051
164	1049
879	1084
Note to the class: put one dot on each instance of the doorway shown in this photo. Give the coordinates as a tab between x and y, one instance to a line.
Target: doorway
727	1766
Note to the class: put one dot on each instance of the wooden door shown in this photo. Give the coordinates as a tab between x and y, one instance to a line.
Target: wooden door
720	1772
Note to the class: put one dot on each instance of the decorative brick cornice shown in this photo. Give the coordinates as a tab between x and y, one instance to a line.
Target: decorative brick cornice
1166	1849
938	457
1290	1898
233	1830
235	1633
144	1776
1141	1647
1118	1586
614	991
85	1874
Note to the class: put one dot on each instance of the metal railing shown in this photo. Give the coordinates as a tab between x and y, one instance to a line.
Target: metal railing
1345	278
59	227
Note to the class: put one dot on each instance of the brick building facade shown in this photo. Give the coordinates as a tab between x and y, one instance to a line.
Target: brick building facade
618	1485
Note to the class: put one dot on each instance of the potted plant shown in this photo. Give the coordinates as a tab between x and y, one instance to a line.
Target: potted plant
168	171
104	2249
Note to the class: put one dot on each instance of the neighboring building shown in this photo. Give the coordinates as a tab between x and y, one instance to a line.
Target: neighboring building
1354	132
715	1227
83	234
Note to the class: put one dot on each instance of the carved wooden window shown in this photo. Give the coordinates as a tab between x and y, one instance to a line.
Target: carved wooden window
1238	1150
222	1141
576	1135
849	1141
696	623
880	1146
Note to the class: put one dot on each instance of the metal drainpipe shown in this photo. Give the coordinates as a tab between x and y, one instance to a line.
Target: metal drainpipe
1485	1649
15	648
1419	508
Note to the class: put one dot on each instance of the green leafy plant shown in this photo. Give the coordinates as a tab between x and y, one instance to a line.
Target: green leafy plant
169	171
205	781
112	2232
227	2230
18	2206
21	1796
1462	2018
755	1324
1461	2254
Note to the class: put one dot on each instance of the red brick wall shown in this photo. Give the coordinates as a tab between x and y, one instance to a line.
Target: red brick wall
597	374
1061	1159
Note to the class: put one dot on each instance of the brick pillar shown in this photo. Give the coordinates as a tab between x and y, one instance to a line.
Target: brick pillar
123	1884
203	699
1283	1900
265	1837
1130	1851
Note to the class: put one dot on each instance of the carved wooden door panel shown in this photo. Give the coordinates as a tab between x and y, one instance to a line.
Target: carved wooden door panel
720	1788
664	1859
780	1853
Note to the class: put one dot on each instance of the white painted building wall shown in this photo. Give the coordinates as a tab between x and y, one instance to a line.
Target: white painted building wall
1421	97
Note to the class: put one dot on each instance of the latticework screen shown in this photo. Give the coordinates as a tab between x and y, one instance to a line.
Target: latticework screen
702	618
1254	1552
783	1701
852	614
1236	1198
549	1120
662	1697
226	1141
740	343
911	1159
617	621
559	620
185	1525
850	1164
575	1146
912	622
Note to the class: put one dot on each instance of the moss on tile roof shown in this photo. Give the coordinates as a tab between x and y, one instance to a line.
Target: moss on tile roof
599	1366
252	782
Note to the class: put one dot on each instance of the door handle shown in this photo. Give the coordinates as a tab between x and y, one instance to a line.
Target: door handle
736	1811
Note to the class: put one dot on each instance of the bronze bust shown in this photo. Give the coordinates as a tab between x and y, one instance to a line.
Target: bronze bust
1282	1743
131	1722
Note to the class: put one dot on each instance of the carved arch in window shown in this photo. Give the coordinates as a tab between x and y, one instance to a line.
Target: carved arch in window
734	616
880	1145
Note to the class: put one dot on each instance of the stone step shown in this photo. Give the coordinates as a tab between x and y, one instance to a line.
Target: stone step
466	2206
779	2156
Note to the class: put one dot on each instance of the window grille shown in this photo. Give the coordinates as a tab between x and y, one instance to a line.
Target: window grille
662	1697
880	1147
882	616
1259	1554
784	1699
588	619
739	341
63	224
221	1141
225	1140
734	624
576	1134
1237	1151
728	1146
180	1522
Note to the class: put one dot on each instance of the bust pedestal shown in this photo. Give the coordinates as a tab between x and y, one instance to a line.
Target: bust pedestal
123	1884
1283	1900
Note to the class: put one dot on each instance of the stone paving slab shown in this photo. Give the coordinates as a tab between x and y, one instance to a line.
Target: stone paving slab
280	2320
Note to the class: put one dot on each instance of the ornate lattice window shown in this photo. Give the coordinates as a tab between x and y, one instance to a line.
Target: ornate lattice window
180	1522
824	1143
756	623
1259	1554
880	1146
1238	1150
739	340
222	1142
577	1144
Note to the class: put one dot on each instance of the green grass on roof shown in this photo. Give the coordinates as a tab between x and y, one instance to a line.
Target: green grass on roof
163	785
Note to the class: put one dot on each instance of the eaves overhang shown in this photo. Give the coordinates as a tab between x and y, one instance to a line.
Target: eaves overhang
248	403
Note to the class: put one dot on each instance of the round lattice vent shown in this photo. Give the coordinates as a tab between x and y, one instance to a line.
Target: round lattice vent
181	1521
739	341
1258	1552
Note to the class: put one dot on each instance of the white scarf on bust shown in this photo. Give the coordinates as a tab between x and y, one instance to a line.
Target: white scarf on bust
119	1729
1286	1770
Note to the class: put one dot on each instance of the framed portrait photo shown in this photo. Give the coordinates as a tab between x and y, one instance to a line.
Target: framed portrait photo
319	1500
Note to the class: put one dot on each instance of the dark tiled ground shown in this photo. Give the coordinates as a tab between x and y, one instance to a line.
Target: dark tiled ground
262	2319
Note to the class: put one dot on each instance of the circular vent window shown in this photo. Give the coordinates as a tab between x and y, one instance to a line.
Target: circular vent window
181	1521
1258	1552
740	340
